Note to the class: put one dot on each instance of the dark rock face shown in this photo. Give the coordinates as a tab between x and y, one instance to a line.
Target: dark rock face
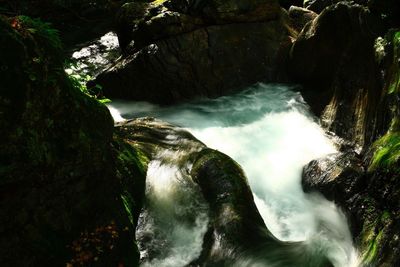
319	5
388	10
366	184
334	57
288	3
145	22
212	49
62	175
300	17
206	62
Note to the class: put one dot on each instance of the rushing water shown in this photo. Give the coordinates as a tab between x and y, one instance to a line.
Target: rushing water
169	232
268	130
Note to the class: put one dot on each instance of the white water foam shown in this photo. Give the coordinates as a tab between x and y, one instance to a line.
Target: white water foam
171	228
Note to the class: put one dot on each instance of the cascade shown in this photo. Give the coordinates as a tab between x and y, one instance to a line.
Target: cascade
270	132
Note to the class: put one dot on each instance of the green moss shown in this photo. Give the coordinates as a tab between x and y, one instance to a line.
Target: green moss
386	216
373	236
387	151
128	202
396	39
371	254
158	2
79	81
394	86
129	154
41	29
131	166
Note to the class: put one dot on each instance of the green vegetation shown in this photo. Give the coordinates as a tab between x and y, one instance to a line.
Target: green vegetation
79	81
131	167
371	253
39	29
372	236
387	148
394	86
387	152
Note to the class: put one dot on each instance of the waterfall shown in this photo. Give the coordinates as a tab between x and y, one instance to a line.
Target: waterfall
174	219
270	132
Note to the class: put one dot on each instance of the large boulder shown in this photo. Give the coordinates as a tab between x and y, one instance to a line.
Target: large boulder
388	10
63	179
144	22
367	184
171	55
334	57
206	62
337	176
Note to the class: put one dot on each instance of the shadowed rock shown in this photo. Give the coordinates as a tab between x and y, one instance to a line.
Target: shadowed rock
174	53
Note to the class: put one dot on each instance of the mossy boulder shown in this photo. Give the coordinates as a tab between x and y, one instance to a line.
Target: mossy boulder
237	233
236	221
63	180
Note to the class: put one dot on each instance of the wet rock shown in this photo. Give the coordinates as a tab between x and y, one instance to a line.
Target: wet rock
367	184
236	222
334	57
368	200
337	176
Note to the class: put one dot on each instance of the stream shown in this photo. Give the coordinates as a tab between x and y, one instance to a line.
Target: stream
269	130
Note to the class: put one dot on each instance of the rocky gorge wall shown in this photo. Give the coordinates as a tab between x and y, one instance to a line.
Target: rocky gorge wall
351	81
177	50
71	183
